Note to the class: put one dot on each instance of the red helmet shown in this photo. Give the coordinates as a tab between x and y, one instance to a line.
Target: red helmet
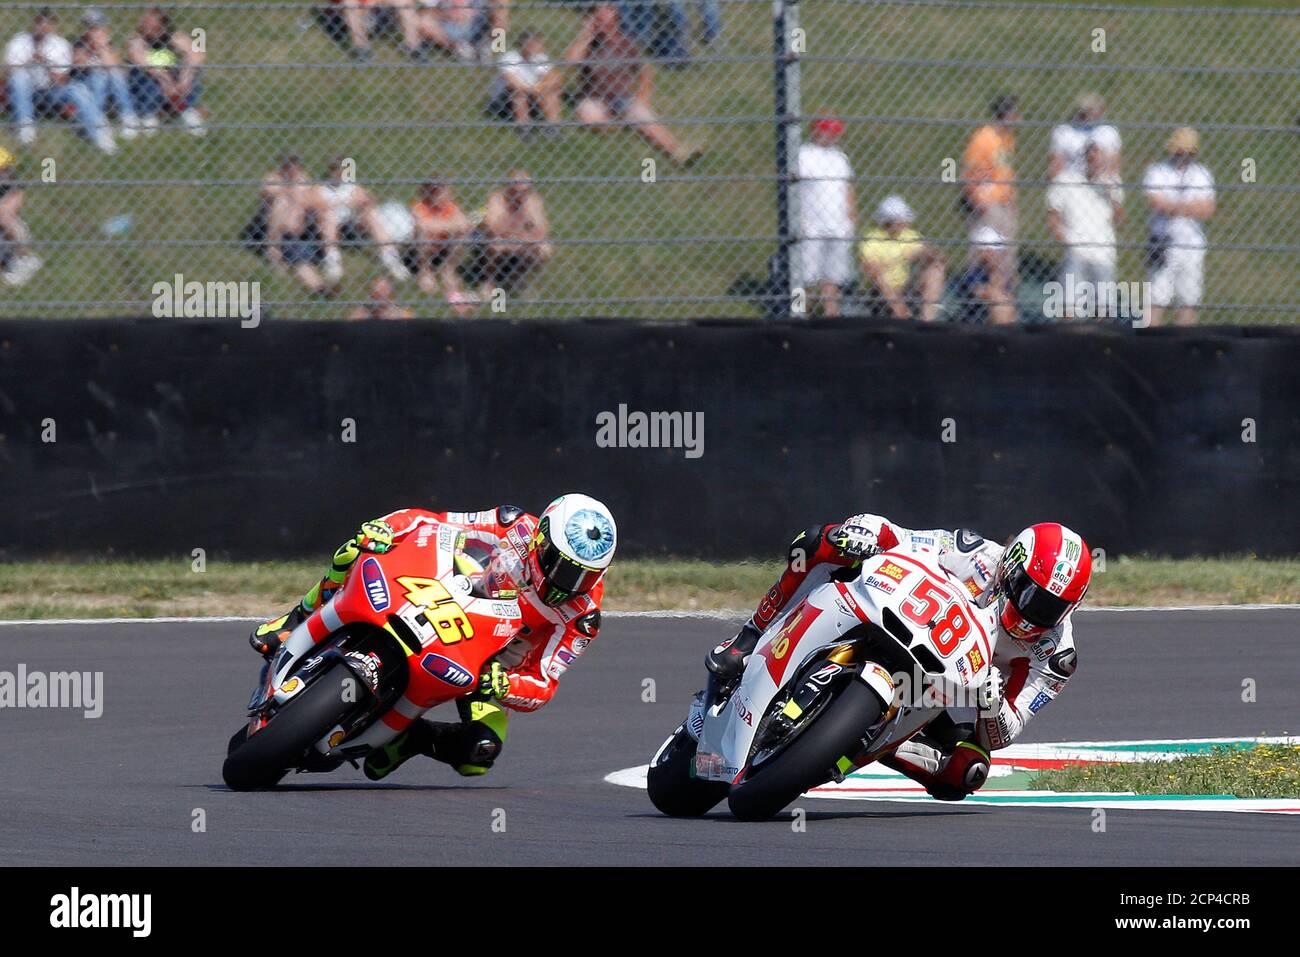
1042	578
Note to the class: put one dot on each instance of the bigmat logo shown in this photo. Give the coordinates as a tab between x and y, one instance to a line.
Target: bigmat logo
372	576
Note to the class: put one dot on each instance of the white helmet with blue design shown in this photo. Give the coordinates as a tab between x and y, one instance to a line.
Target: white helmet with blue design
574	544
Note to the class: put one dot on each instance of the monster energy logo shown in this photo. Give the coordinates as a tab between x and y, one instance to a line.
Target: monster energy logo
1015	555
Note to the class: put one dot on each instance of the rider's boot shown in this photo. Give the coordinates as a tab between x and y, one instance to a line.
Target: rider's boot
949	762
727	660
383	761
267	637
470	747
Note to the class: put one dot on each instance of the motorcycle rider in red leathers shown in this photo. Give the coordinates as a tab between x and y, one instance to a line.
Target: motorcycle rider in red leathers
553	564
1030	588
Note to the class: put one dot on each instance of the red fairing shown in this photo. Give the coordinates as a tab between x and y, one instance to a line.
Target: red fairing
438	670
886	538
556	636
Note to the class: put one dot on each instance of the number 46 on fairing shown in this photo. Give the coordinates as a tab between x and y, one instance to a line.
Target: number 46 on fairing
432	613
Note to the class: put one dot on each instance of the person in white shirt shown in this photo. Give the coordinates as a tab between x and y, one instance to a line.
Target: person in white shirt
526	84
98	67
38	65
1069	140
1081	212
823	257
1180	192
357	218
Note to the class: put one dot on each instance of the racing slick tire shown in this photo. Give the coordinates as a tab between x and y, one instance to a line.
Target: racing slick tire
673	789
810	758
262	760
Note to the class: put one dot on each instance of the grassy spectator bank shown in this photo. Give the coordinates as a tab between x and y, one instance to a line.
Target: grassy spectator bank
188	198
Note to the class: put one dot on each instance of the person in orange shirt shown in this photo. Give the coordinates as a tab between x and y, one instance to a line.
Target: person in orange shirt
989	181
441	230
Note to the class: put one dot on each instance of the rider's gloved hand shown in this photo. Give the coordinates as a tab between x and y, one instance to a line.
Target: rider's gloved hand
854	539
375	536
989	695
494	681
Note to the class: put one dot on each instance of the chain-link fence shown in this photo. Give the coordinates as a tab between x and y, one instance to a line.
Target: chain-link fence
647	158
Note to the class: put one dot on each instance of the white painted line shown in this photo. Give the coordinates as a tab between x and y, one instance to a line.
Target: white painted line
882	784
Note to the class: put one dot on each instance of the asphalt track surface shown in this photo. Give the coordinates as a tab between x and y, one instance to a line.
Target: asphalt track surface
123	789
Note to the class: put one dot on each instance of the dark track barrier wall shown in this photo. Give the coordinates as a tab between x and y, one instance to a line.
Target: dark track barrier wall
172	436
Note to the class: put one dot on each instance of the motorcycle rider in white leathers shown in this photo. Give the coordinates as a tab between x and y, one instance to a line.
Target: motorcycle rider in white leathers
1028	589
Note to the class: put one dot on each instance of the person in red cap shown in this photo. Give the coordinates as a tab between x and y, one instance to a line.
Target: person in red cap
823	258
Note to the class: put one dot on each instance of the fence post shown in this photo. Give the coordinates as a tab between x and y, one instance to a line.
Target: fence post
785	87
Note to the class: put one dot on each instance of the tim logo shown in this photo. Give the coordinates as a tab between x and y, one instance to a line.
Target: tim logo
444	669
372	576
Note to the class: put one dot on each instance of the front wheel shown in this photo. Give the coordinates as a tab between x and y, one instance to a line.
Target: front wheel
810	758
673	789
261	760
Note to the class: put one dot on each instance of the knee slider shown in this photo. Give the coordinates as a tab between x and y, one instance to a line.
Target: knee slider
962	774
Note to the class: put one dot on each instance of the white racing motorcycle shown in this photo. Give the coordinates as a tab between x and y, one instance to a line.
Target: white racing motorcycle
864	662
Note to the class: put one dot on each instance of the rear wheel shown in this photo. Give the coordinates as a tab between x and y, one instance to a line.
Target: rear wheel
810	758
673	790
263	759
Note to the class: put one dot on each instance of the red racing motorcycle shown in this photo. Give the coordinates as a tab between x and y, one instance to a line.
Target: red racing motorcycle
406	632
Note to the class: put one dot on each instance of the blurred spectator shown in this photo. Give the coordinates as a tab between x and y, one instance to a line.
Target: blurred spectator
348	20
97	66
615	86
357	218
904	273
40	81
1081	212
301	236
499	16
658	26
380	303
990	191
979	292
710	20
661	27
527	86
1069	140
515	234
823	257
16	257
457	26
1180	192
166	73
441	231
360	20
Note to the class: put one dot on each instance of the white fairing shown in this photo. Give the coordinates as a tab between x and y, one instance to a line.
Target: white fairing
913	586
